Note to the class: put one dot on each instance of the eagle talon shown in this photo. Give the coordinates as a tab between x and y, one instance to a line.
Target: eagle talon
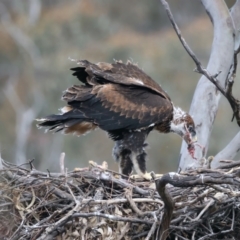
146	176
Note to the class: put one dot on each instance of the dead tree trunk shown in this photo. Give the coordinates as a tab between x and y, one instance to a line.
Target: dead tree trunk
220	71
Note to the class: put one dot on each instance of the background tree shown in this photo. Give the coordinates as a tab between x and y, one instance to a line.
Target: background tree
217	79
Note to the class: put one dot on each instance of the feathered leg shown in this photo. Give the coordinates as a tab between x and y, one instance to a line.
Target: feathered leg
139	163
125	164
123	157
130	153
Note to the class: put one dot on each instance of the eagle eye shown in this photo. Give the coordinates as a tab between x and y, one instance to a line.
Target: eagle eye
190	128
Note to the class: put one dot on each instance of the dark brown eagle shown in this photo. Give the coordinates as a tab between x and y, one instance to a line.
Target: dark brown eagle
126	103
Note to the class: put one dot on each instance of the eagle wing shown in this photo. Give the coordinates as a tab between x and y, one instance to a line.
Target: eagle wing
115	107
119	73
115	97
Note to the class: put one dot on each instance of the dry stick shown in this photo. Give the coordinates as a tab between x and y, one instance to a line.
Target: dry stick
61	162
227	161
181	237
102	175
193	236
206	177
50	230
123	200
231	165
106	176
168	206
153	228
111	217
128	194
201	179
221	232
234	103
57	212
70	190
228	191
179	181
204	194
204	210
123	231
15	236
1	162
61	194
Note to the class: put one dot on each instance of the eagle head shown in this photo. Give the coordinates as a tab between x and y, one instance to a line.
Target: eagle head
183	125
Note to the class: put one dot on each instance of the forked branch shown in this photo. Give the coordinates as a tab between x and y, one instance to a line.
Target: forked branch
234	103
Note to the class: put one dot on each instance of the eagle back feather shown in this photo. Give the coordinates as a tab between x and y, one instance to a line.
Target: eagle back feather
115	97
118	72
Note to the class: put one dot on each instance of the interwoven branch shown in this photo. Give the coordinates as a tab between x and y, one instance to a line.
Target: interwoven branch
95	203
200	177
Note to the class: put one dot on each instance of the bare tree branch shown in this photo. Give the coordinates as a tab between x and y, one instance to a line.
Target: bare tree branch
24	114
211	99
24	118
61	162
213	78
35	7
229	152
202	177
1	165
235	13
177	30
168	206
206	98
22	40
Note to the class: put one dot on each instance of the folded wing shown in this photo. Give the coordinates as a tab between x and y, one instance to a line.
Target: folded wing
115	97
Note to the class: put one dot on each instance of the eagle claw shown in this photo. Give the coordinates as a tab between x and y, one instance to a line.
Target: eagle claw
146	176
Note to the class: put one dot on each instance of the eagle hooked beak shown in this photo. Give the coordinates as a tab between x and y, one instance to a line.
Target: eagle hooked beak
190	137
194	138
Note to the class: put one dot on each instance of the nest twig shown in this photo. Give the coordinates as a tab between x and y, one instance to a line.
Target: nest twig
94	203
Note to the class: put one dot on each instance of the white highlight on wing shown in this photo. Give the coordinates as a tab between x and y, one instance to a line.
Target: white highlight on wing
138	81
65	109
41	119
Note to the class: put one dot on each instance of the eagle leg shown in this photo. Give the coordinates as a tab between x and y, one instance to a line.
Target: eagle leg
128	160
125	163
123	157
130	153
139	163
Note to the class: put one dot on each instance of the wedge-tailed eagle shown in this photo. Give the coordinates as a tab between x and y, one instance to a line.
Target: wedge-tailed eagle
126	103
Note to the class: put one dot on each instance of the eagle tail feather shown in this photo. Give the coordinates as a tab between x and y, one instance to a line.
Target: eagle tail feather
68	122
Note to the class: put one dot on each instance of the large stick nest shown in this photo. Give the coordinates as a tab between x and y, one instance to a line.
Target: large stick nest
95	203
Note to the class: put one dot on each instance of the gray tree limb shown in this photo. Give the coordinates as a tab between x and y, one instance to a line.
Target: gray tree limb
229	152
233	147
235	13
206	97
